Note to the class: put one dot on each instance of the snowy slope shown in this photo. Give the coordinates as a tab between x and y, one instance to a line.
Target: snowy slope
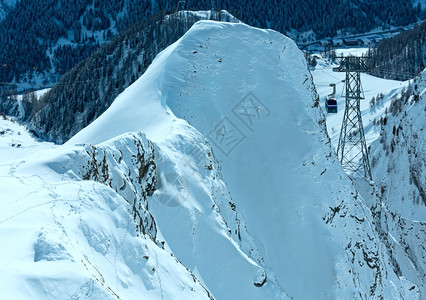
99	226
412	193
16	141
397	155
72	239
400	173
248	91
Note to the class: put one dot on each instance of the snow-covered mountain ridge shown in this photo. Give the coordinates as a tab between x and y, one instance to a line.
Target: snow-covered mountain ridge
231	192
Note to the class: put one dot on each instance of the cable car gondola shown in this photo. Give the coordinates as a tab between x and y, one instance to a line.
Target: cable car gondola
331	102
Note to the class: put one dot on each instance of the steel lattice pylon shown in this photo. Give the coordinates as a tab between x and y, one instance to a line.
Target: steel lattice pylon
352	148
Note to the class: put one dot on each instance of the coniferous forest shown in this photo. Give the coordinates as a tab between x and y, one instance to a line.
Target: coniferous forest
33	45
401	57
106	51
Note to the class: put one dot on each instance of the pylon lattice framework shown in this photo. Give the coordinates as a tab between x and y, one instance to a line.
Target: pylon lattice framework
352	148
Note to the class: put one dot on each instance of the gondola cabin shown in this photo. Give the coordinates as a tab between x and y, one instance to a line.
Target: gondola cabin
331	105
331	102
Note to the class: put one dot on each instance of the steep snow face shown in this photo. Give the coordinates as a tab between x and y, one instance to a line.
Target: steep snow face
399	154
398	198
248	91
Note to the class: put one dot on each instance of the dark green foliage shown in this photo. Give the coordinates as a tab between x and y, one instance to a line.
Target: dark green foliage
28	30
31	30
67	56
401	57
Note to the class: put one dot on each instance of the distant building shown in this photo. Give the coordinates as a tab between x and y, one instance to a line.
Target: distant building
337	42
388	35
324	43
351	42
366	41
